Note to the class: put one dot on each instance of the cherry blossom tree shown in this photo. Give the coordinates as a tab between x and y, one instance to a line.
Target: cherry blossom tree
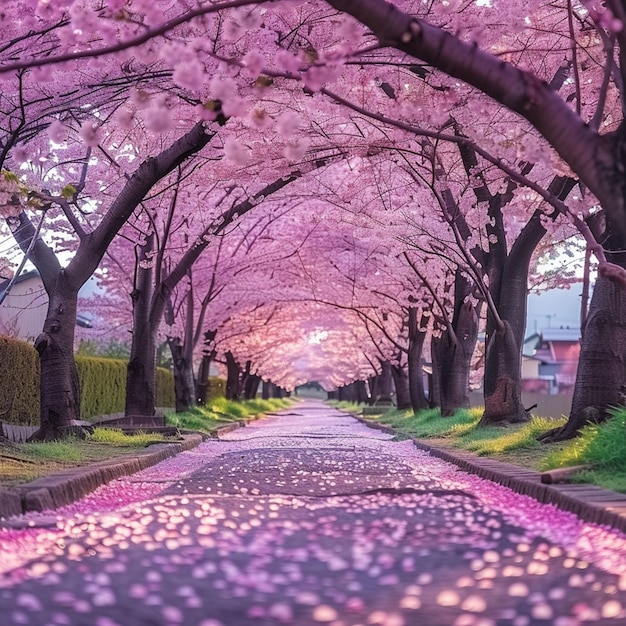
271	62
593	156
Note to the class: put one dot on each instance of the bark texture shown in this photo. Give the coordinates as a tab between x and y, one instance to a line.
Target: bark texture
233	377
60	388
414	363
184	383
400	378
384	384
503	399
455	356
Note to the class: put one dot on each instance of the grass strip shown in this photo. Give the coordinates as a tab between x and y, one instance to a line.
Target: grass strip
601	446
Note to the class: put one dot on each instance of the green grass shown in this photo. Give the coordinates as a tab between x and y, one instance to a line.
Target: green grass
602	447
201	419
344	405
64	451
229	409
117	437
462	430
222	411
429	423
603	478
73	450
499	440
21	463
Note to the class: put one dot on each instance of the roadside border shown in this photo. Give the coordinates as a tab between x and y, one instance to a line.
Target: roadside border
56	490
588	502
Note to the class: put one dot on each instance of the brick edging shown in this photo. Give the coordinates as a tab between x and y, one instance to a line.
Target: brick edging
599	506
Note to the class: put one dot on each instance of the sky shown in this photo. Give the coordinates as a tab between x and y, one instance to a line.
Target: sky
554	308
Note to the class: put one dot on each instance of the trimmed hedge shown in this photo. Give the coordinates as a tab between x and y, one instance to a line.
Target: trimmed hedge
103	386
19	382
217	389
165	394
102	381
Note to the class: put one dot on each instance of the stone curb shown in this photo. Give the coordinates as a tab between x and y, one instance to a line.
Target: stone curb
55	490
222	430
588	502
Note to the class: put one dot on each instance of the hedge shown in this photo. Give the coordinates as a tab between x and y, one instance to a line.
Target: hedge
217	388
103	384
19	382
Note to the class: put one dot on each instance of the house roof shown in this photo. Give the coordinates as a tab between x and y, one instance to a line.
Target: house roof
560	334
553	345
21	278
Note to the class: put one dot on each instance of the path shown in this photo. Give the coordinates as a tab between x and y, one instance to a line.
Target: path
309	518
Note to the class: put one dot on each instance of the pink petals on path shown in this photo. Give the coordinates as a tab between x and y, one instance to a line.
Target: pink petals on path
310	518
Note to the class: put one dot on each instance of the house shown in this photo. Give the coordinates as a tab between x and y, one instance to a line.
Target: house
550	360
23	311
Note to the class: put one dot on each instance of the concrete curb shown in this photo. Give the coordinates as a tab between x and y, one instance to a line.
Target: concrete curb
223	430
588	502
55	490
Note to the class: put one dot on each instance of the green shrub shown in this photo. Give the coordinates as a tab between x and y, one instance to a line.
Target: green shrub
19	391
165	394
102	383
217	388
103	386
223	411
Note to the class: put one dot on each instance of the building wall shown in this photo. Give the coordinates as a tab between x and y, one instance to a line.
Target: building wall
530	368
23	313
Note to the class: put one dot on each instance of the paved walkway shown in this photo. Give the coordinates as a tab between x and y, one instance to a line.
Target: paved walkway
309	517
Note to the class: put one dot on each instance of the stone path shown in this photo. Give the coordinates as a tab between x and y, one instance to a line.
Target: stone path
309	517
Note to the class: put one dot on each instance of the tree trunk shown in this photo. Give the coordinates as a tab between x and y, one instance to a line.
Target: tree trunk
503	389
60	388
361	392
350	392
233	377
401	383
456	360
436	357
417	337
384	384
202	382
508	285
141	369
251	386
266	390
208	354
141	373
372	383
184	384
601	375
